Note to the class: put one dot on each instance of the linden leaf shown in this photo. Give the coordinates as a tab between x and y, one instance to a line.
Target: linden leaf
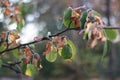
51	56
83	19
66	18
31	70
72	47
111	34
66	52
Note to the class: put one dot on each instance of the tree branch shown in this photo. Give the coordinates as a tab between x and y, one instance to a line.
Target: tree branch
17	47
111	28
11	66
45	38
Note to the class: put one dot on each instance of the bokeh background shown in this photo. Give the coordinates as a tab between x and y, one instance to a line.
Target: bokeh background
41	16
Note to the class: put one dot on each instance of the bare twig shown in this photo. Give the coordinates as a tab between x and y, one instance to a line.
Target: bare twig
45	38
17	47
111	28
11	66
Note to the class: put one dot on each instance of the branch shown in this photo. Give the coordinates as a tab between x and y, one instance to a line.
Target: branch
19	46
11	66
45	38
111	28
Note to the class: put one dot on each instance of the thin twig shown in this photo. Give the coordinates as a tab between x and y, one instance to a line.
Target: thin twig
45	38
19	46
11	67
111	28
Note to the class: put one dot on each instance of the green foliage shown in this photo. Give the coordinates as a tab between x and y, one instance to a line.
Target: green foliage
23	68
31	70
72	47
51	56
111	34
66	52
15	53
83	19
66	18
2	47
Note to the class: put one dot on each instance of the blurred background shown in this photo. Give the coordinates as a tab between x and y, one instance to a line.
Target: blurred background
41	16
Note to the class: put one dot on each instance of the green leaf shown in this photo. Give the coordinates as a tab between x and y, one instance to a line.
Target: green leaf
15	53
0	63
31	70
67	13
111	34
83	19
66	18
72	47
66	52
20	24
23	67
51	57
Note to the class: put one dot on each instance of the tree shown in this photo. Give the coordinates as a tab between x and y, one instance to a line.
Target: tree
87	22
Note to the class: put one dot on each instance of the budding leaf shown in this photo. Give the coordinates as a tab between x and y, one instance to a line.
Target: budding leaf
111	34
51	57
66	52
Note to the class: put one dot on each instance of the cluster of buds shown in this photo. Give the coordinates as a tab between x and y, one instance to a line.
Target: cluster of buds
29	56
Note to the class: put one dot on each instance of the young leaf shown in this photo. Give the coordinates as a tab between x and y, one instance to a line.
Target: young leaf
72	47
31	70
67	13
83	19
66	18
51	57
111	34
0	63
66	52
